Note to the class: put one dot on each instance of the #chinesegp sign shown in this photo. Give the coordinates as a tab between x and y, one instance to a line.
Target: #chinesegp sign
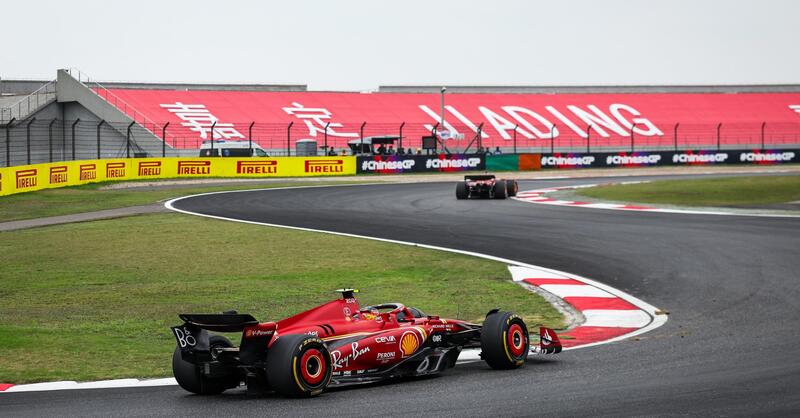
398	164
668	158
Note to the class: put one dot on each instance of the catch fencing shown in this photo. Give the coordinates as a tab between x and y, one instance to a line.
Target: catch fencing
36	141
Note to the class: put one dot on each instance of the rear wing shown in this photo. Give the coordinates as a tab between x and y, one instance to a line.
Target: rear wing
479	177
193	339
220	322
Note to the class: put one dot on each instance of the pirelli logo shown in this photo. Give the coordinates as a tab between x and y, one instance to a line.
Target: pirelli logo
26	178
58	174
149	168
1	182
115	170
256	167
87	172
324	166
194	167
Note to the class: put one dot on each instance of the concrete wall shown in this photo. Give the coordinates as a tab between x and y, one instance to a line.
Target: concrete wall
70	90
203	86
24	87
20	87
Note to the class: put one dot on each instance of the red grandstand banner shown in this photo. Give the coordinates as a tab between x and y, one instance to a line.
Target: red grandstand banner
566	119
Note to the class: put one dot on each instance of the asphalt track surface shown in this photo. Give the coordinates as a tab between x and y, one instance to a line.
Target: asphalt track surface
730	283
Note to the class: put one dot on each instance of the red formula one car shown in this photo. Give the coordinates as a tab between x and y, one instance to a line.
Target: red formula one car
340	343
486	186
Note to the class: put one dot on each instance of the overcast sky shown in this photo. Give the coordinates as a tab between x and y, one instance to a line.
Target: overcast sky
358	45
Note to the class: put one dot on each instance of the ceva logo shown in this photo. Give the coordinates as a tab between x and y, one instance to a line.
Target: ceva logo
256	167
324	166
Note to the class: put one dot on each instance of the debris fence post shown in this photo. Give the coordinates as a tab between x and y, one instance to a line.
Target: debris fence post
128	140
28	138
73	137
164	140
99	125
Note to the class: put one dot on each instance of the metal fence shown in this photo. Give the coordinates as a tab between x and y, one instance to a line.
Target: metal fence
35	141
28	104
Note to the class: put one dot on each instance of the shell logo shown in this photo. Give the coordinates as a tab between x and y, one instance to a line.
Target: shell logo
408	343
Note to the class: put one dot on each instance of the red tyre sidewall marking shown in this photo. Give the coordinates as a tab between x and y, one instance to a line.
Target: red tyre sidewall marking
517	350
313	355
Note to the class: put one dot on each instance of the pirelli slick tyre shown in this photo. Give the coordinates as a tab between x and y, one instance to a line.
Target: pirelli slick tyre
461	191
511	188
299	365
500	190
504	341
190	378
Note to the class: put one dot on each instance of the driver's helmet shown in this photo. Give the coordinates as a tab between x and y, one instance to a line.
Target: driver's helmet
370	314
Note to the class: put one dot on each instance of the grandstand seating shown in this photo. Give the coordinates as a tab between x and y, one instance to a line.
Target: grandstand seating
699	120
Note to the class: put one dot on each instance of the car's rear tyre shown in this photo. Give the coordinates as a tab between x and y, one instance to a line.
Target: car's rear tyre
461	191
189	377
504	341
500	190
299	365
511	188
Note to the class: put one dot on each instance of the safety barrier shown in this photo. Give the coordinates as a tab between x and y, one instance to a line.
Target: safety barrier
29	178
398	164
514	162
34	177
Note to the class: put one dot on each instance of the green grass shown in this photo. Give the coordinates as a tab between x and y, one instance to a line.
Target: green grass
728	191
94	300
91	197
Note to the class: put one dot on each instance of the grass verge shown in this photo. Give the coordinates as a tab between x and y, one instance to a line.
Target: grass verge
92	197
728	191
94	300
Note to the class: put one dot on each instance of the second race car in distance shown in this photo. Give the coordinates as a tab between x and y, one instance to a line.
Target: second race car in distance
485	186
340	343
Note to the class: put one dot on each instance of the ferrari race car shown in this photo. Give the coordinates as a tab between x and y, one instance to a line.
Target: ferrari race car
340	343
485	185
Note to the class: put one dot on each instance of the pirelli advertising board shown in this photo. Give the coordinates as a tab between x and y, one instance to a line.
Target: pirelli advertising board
72	173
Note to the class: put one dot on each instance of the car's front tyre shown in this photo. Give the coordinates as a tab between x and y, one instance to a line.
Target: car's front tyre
504	340
511	188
